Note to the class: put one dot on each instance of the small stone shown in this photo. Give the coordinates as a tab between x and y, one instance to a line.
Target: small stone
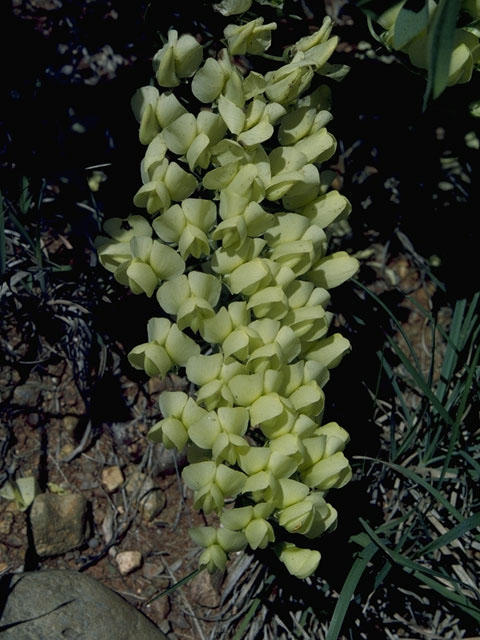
112	478
128	561
70	423
3	567
33	419
150	498
161	607
59	522
156	384
66	450
26	395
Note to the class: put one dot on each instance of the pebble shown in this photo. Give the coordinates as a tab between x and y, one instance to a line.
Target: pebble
128	561
70	423
112	478
26	395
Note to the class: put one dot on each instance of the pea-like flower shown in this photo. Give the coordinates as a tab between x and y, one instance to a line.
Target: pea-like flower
217	543
260	117
227	260
323	443
253	521
295	242
324	466
191	298
264	468
332	472
253	37
167	346
187	226
328	208
219	77
167	182
179	412
194	137
286	84
212	375
116	249
251	223
310	517
232	7
333	270
178	58
279	345
299	562
144	102
328	351
307	317
415	43
222	432
212	483
150	263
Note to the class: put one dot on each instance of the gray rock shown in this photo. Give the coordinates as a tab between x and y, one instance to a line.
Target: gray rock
59	522
65	605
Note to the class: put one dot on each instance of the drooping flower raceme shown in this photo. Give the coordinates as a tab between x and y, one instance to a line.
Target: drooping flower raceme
235	251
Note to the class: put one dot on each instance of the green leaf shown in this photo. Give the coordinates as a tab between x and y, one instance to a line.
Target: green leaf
348	590
440	46
412	19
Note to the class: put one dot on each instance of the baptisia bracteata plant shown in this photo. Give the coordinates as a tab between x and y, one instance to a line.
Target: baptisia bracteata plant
234	247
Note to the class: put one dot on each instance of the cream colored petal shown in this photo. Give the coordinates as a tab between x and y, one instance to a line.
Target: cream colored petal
173	293
300	562
168	108
232	115
142	278
180	133
170	225
165	261
180	183
202	369
208	82
333	270
188	55
180	347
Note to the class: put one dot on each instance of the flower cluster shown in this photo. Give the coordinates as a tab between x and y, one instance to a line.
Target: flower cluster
415	41
236	255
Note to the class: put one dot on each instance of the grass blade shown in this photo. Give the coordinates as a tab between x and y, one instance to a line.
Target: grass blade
463	403
348	590
404	562
411	475
420	382
175	586
455	532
